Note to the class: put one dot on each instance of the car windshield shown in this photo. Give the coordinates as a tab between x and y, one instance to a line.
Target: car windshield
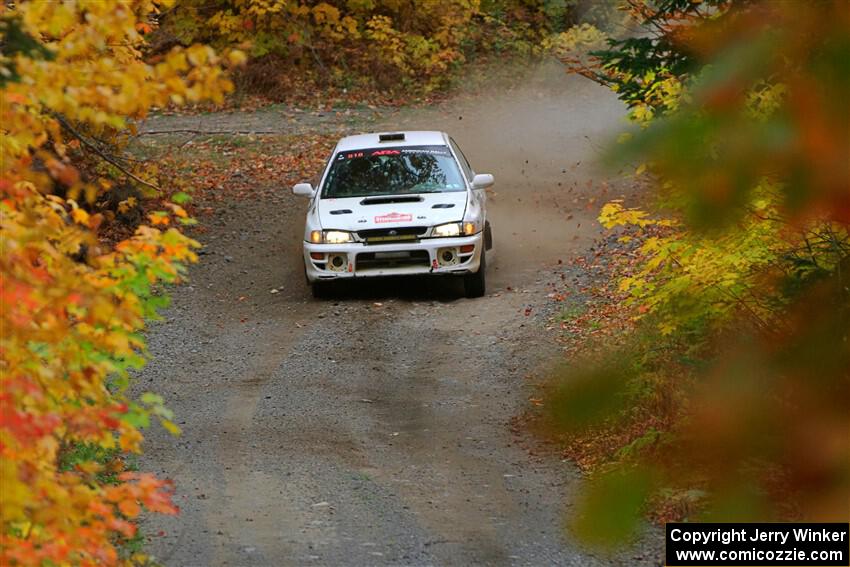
392	171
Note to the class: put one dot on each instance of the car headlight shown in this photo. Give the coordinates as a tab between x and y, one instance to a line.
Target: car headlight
330	237
337	237
471	227
446	230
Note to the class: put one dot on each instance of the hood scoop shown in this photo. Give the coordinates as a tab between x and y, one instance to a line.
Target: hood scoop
443	206
391	199
341	212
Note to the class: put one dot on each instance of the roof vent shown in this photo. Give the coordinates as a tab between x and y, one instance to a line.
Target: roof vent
391	137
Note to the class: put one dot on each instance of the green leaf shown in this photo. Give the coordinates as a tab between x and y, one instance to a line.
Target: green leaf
151	399
137	417
609	511
181	198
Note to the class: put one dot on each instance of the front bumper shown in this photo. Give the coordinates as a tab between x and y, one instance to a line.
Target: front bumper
439	256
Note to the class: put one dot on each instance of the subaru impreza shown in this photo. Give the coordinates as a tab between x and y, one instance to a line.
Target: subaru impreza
395	204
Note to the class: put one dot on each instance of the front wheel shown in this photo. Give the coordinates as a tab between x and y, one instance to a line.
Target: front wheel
474	285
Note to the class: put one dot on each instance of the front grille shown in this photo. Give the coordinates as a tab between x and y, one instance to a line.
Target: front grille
382	235
388	260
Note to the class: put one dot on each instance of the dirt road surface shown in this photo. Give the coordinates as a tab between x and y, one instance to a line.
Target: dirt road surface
374	428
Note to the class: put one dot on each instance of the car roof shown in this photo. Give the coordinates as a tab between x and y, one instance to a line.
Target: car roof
411	138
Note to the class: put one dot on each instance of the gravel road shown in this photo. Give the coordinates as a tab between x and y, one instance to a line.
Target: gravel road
374	429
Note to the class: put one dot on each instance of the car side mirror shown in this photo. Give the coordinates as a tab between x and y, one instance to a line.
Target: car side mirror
482	181
303	190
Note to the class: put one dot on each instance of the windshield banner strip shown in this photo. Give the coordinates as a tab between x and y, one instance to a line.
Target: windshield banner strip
433	150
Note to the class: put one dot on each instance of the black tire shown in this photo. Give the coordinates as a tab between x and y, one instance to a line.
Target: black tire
475	285
321	290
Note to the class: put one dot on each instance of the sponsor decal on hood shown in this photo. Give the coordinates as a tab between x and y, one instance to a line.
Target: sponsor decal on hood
393	217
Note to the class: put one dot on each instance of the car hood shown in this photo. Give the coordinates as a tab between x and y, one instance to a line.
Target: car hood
360	213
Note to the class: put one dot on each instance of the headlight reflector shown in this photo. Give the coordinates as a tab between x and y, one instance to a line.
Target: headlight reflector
446	230
470	228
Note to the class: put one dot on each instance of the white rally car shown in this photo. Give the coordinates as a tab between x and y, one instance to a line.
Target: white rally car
401	203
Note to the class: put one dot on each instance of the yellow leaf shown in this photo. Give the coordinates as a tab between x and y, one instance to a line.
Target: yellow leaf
171	427
237	57
80	216
666	328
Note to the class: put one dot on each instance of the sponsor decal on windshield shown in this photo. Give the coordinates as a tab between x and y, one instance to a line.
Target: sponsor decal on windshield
393	217
439	151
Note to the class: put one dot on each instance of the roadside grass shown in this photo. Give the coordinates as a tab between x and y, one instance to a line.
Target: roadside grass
230	141
77	455
361	476
571	313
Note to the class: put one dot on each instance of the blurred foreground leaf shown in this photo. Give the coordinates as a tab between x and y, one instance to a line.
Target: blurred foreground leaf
609	510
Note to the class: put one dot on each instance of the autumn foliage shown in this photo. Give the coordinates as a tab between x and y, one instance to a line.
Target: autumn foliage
72	308
734	386
389	44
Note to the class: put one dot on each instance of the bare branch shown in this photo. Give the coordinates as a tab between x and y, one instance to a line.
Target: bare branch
201	132
103	155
